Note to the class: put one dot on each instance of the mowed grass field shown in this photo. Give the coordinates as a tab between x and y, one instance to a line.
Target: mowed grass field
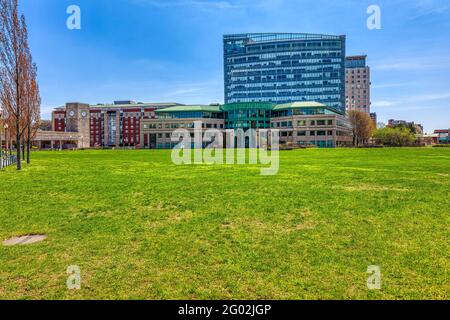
140	227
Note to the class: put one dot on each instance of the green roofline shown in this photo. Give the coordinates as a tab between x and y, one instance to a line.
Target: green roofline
247	105
197	108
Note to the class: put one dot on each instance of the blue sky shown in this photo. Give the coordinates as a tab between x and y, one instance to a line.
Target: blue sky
171	50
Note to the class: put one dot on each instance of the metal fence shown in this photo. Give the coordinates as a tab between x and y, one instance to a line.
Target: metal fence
6	161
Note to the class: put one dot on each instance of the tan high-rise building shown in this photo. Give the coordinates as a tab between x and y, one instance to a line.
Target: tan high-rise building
357	84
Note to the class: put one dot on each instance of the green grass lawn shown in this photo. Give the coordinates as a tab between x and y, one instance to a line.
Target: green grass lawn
140	227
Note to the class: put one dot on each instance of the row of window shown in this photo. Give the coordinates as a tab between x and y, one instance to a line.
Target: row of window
280	100
290	95
285	76
268	71
191	115
131	128
318	133
315	133
290	92
182	126
293	45
250	113
288	74
318	85
357	71
358	83
282	56
301	123
132	139
274	63
318	143
291	83
294	70
289	55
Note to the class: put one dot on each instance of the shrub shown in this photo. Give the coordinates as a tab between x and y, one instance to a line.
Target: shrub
394	137
441	146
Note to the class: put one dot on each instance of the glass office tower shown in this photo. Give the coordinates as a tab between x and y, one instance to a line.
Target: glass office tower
285	67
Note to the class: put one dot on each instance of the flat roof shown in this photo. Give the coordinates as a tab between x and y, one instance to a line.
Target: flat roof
352	58
136	105
281	36
304	105
193	108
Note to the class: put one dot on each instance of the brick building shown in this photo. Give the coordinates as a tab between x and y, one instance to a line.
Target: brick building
105	125
357	84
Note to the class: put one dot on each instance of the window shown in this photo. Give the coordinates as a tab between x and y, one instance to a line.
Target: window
320	122
312	133
301	133
301	123
313	122
321	133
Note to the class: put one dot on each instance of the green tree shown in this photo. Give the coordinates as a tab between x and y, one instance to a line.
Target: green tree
394	137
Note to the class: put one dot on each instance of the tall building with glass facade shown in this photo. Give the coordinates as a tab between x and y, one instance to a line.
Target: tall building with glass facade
285	67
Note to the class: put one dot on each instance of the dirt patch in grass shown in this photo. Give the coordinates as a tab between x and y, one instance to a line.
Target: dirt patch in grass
24	240
370	187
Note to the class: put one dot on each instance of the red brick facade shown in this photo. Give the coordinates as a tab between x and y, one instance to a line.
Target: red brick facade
96	128
112	125
59	121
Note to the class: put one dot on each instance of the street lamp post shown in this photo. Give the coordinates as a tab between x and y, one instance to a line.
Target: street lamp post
1	139
6	138
1	147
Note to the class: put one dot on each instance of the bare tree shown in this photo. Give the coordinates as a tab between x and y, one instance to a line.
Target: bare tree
32	108
3	120
14	68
